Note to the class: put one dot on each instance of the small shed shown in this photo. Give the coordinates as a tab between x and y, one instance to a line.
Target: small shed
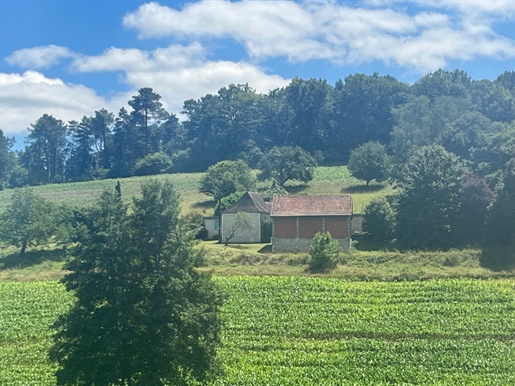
259	211
297	219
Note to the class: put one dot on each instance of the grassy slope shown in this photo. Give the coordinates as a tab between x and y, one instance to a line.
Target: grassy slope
256	259
327	180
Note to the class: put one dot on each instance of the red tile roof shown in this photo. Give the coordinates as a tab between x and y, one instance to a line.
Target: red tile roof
283	206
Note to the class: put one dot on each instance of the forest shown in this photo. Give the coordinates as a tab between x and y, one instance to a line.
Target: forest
473	119
447	141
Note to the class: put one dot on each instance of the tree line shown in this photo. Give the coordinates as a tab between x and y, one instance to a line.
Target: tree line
471	118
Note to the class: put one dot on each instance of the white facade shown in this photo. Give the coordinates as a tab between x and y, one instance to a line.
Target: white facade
243	235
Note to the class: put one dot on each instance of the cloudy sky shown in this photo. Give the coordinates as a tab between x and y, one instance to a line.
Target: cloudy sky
69	58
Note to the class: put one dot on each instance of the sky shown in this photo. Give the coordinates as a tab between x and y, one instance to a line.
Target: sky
69	58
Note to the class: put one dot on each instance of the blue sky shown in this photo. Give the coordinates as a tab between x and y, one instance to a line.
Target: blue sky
69	58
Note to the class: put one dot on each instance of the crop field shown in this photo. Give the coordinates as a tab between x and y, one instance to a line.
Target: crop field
306	331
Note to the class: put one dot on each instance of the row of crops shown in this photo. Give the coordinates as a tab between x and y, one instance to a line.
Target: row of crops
306	331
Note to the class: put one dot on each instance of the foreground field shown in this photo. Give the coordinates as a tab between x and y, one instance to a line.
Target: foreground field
306	331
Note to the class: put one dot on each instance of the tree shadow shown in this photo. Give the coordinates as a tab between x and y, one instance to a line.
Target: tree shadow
31	258
209	204
498	259
295	189
363	188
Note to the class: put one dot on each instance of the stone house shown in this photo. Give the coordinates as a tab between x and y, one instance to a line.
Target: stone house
259	211
296	220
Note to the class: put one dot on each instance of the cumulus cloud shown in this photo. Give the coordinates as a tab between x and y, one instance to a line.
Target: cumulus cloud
26	97
176	73
377	30
39	57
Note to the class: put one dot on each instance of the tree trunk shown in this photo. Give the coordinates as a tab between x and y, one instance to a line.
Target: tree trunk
23	247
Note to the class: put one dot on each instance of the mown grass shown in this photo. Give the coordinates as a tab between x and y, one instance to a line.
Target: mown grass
327	180
82	194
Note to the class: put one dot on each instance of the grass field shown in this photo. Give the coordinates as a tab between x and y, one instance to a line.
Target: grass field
327	180
313	331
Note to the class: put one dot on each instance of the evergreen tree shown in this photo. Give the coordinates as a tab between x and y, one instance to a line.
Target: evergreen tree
144	314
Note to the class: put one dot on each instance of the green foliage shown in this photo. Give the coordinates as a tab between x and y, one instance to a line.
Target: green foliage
324	253
155	163
27	220
227	177
369	162
227	201
44	156
266	231
501	214
475	198
139	296
428	204
7	161
283	163
379	222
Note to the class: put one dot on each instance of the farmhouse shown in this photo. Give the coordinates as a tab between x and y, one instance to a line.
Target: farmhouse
259	211
296	220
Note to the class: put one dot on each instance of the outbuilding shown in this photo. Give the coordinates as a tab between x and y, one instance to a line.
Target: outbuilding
297	219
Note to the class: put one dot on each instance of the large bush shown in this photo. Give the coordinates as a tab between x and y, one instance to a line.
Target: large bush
324	253
379	222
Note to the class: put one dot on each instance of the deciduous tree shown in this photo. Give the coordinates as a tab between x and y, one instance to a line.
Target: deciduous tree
27	220
369	162
428	205
227	177
283	163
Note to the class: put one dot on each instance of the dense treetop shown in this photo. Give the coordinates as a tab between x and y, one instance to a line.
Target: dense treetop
471	118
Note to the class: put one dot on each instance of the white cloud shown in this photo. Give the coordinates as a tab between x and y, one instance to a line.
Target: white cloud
39	57
338	32
178	72
26	97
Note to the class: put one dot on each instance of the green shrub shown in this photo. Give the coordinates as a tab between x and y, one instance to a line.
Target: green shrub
324	253
155	163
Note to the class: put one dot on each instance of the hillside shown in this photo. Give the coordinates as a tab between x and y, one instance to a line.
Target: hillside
327	180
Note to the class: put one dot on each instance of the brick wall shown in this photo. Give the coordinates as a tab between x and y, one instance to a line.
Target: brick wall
296	233
310	226
336	226
285	227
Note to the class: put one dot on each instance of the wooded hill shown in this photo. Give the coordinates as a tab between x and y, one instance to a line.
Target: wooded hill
471	118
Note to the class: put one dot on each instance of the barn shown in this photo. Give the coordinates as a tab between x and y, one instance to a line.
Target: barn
296	220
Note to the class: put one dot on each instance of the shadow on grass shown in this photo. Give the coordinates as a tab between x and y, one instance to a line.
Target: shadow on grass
296	189
209	204
363	188
498	259
30	258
